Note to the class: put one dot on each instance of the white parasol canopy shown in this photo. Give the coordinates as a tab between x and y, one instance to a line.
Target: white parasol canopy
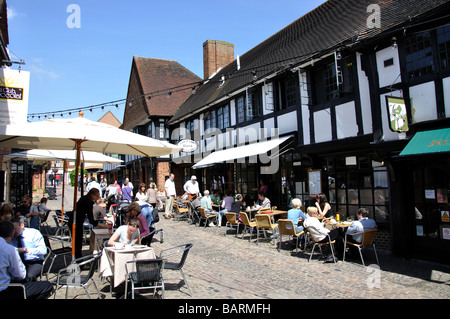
64	155
81	134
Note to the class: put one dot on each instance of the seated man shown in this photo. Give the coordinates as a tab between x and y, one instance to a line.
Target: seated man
31	246
205	202
13	270
30	211
263	201
358	226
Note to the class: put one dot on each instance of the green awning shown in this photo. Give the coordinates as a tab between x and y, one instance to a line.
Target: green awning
434	141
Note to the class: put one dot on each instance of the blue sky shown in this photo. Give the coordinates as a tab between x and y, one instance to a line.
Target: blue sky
79	67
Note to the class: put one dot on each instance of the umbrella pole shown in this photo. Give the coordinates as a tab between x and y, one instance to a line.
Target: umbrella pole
77	165
63	188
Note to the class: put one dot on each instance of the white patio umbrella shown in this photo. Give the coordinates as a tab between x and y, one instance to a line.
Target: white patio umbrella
63	155
81	134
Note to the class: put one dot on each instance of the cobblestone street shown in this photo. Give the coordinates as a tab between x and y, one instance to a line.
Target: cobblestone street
226	267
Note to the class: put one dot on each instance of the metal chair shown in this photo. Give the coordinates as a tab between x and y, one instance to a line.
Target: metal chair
176	265
44	223
147	240
286	227
206	217
248	225
62	228
232	222
148	271
18	285
367	240
329	242
72	277
263	224
52	254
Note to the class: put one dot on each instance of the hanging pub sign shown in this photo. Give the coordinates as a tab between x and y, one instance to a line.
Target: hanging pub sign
398	119
14	88
188	146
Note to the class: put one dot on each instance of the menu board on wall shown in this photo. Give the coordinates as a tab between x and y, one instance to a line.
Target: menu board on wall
314	183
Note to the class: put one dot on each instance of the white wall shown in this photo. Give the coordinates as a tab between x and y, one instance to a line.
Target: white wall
423	102
446	84
364	91
322	126
346	124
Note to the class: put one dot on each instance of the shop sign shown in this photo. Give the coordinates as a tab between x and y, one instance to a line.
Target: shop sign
398	119
188	146
14	89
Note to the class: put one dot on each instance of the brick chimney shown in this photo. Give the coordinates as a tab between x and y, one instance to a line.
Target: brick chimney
216	55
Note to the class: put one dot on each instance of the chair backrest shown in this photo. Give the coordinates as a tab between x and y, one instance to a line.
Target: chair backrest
286	227
368	237
184	250
263	221
44	219
201	210
244	218
264	209
231	218
148	270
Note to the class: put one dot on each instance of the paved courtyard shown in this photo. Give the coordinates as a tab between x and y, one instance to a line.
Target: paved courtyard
227	267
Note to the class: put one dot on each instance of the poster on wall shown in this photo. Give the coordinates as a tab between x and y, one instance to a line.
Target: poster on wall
314	183
398	118
445	218
14	91
446	233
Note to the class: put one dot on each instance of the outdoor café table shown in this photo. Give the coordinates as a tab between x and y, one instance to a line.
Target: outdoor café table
342	225
275	213
96	234
113	260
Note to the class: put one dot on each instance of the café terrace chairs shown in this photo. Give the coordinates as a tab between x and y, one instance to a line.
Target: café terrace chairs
286	227
206	217
181	211
147	274
263	224
249	225
53	253
367	240
329	242
72	277
232	222
147	240
175	264
16	285
61	223
43	225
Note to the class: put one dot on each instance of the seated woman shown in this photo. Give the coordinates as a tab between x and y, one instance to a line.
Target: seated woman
134	211
126	234
319	232
324	208
296	213
237	206
227	201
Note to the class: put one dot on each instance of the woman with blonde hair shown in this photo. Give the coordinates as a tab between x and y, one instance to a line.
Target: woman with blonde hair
152	194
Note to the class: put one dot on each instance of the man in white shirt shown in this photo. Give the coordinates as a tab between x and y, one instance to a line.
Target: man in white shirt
169	187
191	188
93	184
12	269
358	226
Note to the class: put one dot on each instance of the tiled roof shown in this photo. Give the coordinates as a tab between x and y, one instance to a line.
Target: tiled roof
159	74
333	24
